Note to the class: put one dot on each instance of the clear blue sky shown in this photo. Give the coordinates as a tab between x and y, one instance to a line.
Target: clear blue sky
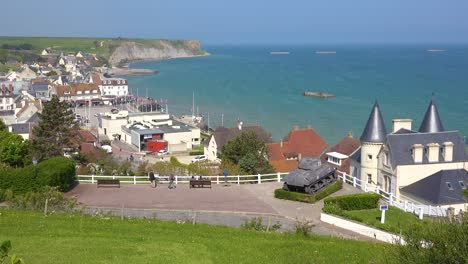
243	21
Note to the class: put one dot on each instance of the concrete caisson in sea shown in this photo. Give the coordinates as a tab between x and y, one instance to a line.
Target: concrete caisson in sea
318	94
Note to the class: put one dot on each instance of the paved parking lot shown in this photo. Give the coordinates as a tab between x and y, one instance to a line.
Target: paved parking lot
219	198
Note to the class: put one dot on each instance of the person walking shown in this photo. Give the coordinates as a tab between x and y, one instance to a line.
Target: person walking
152	179
171	182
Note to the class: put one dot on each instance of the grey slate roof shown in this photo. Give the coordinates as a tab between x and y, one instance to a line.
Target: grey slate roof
34	118
400	146
40	87
431	122
223	135
375	130
22	128
435	189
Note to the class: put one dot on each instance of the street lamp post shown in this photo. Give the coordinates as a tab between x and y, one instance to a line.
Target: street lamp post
34	161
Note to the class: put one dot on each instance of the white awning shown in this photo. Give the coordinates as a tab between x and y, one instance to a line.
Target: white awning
337	155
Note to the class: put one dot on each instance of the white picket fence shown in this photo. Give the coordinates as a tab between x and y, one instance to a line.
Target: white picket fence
418	209
237	179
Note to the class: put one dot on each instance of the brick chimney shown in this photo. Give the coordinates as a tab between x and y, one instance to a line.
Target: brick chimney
417	152
433	152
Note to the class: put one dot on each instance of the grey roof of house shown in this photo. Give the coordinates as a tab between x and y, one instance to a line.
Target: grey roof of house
22	128
435	188
148	131
34	118
223	135
40	87
172	129
400	146
431	122
375	130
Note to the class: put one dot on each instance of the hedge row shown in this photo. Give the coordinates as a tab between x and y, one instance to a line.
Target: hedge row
56	172
196	153
309	198
358	201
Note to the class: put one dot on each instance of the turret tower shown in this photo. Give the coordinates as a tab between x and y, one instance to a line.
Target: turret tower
431	122
372	140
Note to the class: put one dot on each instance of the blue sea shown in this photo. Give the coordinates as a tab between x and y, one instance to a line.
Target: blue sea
249	83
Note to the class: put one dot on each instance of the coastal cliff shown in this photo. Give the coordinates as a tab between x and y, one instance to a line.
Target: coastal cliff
130	51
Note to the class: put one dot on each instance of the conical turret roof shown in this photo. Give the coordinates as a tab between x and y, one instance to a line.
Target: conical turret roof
431	122
374	131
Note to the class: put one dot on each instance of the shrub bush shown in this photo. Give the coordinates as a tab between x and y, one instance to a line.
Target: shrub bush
197	152
256	224
336	186
358	201
309	198
57	201
294	196
55	172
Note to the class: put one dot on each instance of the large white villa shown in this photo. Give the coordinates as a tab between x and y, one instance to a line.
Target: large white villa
429	165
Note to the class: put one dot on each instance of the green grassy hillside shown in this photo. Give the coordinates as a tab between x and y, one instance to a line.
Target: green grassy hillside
61	238
102	47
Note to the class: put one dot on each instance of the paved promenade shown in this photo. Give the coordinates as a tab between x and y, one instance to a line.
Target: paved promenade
231	205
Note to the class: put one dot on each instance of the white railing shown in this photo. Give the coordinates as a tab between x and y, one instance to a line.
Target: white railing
419	209
237	179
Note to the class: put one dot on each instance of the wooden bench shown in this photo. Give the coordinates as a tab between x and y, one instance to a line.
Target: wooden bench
108	183
200	183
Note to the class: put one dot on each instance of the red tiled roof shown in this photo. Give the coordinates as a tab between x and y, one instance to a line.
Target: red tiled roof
86	147
96	79
71	90
87	136
284	165
347	146
274	151
306	142
284	157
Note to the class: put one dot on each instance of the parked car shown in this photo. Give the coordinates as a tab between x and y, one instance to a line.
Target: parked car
199	158
163	152
107	148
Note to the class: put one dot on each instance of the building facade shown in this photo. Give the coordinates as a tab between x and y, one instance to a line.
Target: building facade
395	161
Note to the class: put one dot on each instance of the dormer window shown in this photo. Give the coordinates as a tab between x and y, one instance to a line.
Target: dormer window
462	184
79	92
86	92
449	185
335	158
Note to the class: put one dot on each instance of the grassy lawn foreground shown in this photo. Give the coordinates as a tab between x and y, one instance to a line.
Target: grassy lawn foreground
62	238
395	219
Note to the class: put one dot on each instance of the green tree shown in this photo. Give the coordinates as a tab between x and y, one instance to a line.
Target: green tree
55	130
5	257
2	125
51	73
249	152
439	241
13	149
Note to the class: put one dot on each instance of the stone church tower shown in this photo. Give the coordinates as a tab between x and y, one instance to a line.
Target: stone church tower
372	140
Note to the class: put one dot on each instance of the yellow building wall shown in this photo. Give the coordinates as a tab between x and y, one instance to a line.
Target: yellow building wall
369	166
